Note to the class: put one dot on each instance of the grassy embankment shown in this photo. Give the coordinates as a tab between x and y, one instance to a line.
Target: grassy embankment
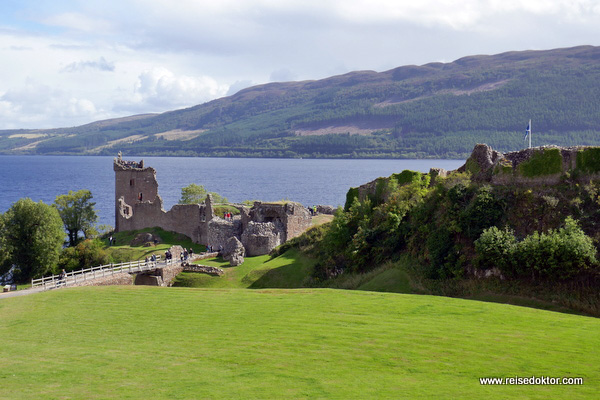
293	269
123	251
144	342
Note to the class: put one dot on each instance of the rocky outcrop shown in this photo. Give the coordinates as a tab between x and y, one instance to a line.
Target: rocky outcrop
234	251
329	210
145	239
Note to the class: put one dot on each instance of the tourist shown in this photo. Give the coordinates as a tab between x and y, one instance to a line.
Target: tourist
191	252
61	277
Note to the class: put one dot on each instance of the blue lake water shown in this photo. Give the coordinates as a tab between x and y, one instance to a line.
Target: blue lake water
308	181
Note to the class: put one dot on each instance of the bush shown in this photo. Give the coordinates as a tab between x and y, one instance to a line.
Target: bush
87	254
495	248
485	210
558	254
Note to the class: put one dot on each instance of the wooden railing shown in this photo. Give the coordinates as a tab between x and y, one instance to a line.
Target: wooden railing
74	277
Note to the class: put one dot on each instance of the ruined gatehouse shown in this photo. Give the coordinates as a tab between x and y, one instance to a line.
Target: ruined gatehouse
260	228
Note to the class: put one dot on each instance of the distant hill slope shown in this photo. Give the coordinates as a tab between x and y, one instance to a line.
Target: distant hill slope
433	110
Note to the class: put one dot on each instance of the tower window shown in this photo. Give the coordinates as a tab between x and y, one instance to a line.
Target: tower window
131	182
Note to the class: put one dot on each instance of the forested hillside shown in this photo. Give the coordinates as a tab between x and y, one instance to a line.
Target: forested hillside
434	110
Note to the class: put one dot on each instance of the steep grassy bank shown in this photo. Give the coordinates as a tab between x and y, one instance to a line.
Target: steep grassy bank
141	342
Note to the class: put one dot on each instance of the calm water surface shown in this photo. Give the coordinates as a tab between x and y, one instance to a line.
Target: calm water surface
307	181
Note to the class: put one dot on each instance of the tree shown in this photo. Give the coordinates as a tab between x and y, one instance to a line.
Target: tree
77	213
195	194
88	253
31	238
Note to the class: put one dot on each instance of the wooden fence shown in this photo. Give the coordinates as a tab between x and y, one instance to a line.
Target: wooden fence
74	277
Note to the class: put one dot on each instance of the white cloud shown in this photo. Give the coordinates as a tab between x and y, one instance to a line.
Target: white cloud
101	64
238	85
164	55
159	89
34	103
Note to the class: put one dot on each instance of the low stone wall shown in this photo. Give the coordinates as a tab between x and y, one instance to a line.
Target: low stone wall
169	273
121	278
204	269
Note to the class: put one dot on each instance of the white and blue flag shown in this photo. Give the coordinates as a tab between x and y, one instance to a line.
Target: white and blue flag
528	130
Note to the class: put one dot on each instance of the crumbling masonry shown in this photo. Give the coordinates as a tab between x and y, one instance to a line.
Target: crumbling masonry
260	228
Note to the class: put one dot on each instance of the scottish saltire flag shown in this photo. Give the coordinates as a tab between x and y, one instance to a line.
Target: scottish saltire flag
528	130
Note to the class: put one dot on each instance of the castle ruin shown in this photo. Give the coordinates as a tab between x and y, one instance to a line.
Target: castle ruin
260	228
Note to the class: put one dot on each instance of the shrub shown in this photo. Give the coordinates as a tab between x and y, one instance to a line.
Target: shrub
542	162
485	210
495	248
557	254
89	253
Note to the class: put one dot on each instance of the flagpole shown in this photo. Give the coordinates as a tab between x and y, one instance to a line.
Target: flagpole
529	133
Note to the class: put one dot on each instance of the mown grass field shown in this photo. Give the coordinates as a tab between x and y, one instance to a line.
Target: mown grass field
179	343
289	270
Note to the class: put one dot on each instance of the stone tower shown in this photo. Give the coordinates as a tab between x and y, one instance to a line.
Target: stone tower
133	184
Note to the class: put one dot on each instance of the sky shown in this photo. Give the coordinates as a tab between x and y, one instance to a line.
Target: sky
69	62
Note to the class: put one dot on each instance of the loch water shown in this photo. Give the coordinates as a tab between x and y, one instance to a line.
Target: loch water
308	181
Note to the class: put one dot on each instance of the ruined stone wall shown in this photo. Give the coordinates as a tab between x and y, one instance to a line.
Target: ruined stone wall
169	273
138	206
291	218
261	237
545	165
133	184
220	230
297	220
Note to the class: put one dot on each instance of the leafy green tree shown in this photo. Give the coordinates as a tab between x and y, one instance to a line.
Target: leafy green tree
77	213
196	194
87	253
31	238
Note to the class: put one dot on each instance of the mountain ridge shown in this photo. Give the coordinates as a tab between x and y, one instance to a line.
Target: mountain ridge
431	110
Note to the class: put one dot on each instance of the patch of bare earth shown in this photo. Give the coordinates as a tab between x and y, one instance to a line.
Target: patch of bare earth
178	134
28	135
29	146
128	139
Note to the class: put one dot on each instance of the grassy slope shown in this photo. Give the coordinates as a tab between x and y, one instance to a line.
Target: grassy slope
289	270
123	251
143	342
293	269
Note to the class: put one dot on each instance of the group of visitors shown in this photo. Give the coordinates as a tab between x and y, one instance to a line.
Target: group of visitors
186	254
313	210
151	259
227	216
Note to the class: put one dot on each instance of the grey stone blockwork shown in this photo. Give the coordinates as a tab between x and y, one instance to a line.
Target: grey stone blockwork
260	228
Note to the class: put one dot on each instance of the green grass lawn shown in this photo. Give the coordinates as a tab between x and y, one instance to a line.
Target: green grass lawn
123	251
131	342
289	270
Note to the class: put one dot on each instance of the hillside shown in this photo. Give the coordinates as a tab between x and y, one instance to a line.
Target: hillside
433	110
142	342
